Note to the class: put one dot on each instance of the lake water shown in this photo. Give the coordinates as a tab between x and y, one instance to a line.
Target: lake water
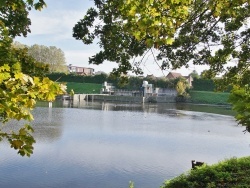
107	145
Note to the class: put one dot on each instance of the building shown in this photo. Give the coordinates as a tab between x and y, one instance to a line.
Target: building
174	75
81	70
189	79
100	72
151	76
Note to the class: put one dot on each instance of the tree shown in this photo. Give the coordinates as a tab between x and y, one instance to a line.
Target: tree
194	74
204	74
51	55
181	88
14	15
19	45
202	32
130	28
240	97
22	79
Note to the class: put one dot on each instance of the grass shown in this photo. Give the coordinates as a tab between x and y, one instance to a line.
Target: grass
206	97
229	173
86	88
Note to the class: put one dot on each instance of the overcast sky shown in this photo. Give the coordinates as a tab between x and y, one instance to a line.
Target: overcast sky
53	27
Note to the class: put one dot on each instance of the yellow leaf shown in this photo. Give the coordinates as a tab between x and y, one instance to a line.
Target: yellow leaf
169	41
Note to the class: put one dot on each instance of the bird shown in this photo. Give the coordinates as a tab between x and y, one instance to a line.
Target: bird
196	164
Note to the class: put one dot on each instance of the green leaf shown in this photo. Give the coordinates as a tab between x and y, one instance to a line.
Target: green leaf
17	144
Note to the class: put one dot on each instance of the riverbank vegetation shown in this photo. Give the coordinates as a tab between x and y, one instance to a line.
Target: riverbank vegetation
209	97
231	173
133	82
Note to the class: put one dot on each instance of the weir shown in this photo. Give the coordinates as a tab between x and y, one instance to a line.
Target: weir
115	98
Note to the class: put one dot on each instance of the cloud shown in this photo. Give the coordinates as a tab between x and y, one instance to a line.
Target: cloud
78	57
56	23
58	18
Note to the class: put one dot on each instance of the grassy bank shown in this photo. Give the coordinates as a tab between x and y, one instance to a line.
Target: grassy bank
84	87
207	97
229	173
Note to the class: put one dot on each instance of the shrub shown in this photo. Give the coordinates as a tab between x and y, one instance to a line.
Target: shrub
229	173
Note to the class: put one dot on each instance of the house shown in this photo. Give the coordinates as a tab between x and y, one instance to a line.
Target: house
150	76
80	70
174	75
189	79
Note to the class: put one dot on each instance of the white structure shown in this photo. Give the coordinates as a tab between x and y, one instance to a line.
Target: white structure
165	91
147	89
107	88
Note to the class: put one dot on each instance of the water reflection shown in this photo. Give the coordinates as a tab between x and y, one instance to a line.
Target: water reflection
48	124
161	108
107	145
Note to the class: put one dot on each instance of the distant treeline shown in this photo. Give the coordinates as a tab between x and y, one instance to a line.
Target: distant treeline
62	77
134	83
203	85
200	84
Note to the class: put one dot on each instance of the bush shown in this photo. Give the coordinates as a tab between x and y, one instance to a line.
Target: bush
62	77
203	85
229	173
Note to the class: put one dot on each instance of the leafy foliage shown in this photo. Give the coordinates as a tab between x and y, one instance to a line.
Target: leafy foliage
240	97
131	184
129	28
194	74
63	77
18	94
181	88
133	83
229	173
21	141
22	79
119	46
51	56
203	85
210	36
14	15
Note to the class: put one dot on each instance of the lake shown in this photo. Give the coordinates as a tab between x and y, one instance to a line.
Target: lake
107	145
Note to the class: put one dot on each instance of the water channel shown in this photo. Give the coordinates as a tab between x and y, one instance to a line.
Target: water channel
106	145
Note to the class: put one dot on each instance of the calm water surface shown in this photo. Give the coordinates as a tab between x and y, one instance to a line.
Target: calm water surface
107	145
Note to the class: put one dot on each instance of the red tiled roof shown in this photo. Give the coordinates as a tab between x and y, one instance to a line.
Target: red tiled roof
174	75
